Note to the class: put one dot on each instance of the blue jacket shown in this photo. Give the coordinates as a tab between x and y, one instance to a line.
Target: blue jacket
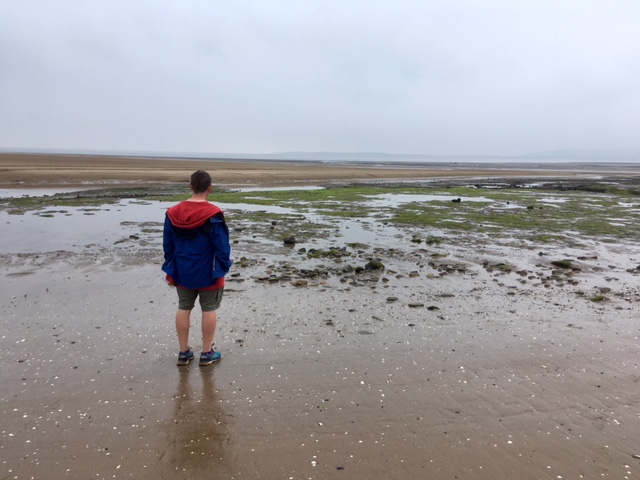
196	245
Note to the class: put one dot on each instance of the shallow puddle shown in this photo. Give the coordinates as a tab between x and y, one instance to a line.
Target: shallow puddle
394	200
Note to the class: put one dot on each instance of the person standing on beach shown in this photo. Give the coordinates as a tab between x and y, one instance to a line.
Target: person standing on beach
196	259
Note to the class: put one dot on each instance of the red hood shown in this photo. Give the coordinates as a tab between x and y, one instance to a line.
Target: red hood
191	214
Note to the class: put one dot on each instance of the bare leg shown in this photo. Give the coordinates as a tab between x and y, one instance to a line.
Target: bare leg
183	322
209	323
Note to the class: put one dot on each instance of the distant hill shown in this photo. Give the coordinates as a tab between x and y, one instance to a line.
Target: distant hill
594	155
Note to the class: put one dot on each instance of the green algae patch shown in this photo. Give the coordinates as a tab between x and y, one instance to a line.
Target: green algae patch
35	203
500	267
358	246
547	238
321	198
598	298
518	211
276	226
562	264
242	262
560	212
434	240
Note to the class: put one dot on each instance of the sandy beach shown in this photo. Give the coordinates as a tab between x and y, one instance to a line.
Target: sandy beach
17	170
438	367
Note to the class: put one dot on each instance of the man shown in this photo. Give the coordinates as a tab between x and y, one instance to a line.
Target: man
196	259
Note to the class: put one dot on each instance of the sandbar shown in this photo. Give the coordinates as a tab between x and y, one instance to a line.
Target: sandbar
20	170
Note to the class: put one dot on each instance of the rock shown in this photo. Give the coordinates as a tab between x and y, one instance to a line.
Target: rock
374	265
562	263
416	305
290	240
392	299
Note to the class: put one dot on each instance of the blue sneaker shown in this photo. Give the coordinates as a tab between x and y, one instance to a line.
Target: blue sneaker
185	357
207	358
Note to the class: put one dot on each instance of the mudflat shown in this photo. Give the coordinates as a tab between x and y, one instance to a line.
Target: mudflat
475	359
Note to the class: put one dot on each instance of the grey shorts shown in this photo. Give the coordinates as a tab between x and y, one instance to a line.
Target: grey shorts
209	299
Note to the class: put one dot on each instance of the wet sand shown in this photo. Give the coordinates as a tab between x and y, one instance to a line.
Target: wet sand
471	375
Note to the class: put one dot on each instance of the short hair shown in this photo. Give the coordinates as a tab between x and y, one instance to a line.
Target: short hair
200	181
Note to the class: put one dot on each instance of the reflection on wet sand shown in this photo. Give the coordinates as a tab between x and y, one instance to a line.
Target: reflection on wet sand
196	437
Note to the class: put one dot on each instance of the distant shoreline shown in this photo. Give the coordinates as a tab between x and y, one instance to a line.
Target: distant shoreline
543	157
21	170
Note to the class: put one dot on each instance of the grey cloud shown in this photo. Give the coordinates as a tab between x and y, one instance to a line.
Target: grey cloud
246	76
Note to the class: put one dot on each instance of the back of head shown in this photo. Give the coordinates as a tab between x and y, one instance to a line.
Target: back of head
200	181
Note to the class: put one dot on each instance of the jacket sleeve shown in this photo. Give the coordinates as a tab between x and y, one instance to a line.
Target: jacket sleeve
221	244
167	240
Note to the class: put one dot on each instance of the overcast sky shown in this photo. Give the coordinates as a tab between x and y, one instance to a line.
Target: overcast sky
441	77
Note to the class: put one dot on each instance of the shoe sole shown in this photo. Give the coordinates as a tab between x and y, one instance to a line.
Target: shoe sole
184	362
204	364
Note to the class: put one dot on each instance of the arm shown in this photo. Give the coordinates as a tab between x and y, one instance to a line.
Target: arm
220	243
167	240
